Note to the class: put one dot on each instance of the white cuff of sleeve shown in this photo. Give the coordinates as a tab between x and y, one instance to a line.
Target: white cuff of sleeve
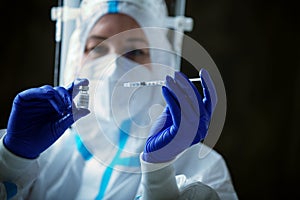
11	165
149	167
158	180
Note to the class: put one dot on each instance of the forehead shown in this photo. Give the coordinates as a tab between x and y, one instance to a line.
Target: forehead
113	24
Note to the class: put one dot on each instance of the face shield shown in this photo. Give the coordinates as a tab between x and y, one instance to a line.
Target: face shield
74	15
149	50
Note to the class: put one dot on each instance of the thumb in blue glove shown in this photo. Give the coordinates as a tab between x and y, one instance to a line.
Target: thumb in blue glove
39	116
185	120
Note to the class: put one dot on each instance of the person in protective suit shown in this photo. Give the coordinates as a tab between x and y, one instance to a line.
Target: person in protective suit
114	149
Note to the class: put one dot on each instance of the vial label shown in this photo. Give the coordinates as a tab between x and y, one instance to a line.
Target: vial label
83	101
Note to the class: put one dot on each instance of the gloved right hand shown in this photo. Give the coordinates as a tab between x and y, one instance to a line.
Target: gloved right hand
39	116
185	120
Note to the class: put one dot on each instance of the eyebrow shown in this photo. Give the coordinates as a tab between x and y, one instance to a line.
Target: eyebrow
96	37
127	40
137	40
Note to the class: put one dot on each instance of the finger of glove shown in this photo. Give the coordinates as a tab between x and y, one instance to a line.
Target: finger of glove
162	122
191	106
73	88
209	90
41	93
61	101
66	98
67	120
61	125
79	113
199	135
181	97
187	96
172	104
196	92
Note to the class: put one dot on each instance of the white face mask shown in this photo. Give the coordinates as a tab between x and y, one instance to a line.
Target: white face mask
106	75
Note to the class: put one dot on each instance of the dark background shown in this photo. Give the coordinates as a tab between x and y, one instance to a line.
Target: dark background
255	45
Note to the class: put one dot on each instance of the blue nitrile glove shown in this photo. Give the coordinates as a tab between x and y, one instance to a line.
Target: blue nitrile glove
39	116
185	120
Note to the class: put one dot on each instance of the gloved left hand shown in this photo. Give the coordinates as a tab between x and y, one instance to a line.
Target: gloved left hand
40	116
185	120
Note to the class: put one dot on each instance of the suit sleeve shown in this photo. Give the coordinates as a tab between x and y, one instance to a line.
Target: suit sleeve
16	174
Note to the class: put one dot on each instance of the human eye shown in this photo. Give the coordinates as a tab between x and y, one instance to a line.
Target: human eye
96	51
137	54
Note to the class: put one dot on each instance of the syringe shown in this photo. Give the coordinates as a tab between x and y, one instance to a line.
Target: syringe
150	83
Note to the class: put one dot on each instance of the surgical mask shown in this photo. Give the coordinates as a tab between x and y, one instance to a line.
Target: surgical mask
105	74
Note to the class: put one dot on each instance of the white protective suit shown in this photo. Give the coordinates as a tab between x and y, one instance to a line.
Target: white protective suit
75	166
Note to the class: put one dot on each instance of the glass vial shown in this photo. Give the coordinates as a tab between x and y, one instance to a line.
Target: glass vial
83	99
